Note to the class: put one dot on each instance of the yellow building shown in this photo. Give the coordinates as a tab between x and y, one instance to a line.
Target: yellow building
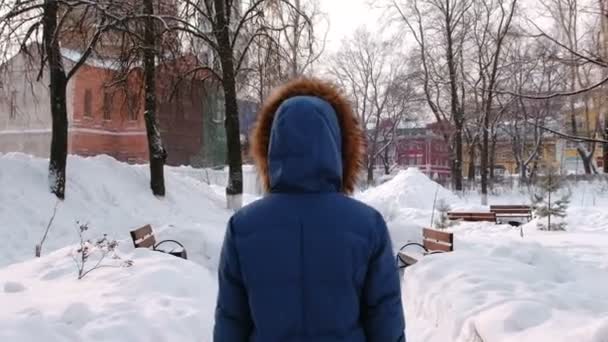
589	123
506	161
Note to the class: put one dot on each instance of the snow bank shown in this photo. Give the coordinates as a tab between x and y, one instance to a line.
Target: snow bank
409	189
159	298
112	197
406	202
514	292
219	177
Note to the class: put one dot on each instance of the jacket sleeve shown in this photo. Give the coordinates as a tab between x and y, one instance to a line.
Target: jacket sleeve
233	321
382	310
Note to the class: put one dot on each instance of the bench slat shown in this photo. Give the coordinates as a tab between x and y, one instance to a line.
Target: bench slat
407	259
471	216
492	207
433	234
510	209
143	237
436	246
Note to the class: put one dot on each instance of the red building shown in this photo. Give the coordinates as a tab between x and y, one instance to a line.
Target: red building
110	120
106	120
424	148
102	119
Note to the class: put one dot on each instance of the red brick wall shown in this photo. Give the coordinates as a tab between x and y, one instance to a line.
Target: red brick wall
179	114
130	148
121	132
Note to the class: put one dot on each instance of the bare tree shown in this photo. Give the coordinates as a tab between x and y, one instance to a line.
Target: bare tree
532	69
582	56
290	49
224	31
439	28
377	82
299	20
36	28
491	24
156	150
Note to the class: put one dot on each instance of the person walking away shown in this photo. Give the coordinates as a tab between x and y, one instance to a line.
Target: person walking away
307	263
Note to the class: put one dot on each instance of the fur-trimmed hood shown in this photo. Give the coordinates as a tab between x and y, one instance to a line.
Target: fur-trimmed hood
307	138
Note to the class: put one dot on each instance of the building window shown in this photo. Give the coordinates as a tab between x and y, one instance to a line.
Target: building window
12	111
88	106
107	106
133	106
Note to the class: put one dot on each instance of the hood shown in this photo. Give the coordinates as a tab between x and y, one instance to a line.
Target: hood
307	139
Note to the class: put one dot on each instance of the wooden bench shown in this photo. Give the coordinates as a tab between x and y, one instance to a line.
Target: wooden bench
433	241
472	216
144	238
506	212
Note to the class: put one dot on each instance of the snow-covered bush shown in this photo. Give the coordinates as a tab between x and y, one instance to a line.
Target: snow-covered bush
442	221
99	250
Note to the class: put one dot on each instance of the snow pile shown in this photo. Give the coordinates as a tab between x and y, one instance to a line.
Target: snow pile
409	189
159	298
513	292
112	197
406	202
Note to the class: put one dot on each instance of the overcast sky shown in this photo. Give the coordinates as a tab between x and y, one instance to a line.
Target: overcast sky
346	16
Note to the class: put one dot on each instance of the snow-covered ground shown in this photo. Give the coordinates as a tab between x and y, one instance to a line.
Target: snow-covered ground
161	298
496	286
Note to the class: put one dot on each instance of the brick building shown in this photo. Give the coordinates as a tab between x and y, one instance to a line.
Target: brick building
102	119
106	120
424	148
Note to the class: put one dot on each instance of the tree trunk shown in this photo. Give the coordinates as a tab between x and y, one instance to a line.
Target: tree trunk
471	175
523	177
604	25
605	145
533	171
587	162
57	87
492	159
484	159
605	148
156	151
549	207
457	115
234	190
387	162
456	168
370	175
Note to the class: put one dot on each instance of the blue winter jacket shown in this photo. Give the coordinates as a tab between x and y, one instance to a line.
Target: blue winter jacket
307	263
